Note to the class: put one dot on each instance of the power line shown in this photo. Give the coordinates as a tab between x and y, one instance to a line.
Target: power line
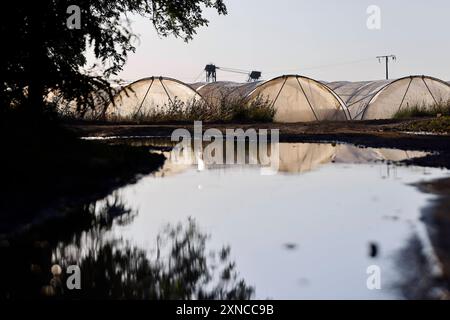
198	77
233	70
256	75
211	73
318	67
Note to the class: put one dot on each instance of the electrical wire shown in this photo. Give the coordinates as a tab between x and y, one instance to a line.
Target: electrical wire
298	70
198	77
234	70
326	66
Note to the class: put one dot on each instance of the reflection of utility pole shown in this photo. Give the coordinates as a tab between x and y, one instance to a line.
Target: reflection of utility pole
393	57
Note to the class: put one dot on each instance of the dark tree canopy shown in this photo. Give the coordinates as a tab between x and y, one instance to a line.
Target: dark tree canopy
40	53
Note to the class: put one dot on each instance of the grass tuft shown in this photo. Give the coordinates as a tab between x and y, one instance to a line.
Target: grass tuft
441	108
224	110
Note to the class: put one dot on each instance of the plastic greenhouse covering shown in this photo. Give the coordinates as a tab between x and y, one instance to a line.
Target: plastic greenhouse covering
69	108
295	98
383	99
149	95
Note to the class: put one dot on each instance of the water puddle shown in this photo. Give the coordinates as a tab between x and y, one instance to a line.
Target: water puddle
312	231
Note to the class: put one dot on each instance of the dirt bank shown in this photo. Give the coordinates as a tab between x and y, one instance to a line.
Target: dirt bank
41	177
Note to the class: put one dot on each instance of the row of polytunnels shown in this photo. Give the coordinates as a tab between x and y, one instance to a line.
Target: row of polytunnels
294	98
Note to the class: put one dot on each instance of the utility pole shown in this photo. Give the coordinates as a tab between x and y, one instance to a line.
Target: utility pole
387	58
254	76
211	75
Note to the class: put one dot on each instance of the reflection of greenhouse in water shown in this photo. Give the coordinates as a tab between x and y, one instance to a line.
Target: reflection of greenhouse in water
293	157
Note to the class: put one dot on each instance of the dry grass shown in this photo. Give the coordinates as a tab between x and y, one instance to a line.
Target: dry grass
225	110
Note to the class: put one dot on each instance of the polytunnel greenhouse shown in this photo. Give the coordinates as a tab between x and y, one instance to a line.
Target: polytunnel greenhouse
99	99
295	98
383	99
149	95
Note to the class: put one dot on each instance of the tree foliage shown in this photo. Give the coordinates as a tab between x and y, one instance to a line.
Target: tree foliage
41	54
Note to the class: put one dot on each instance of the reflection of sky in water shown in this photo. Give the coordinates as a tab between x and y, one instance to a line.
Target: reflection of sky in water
292	236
